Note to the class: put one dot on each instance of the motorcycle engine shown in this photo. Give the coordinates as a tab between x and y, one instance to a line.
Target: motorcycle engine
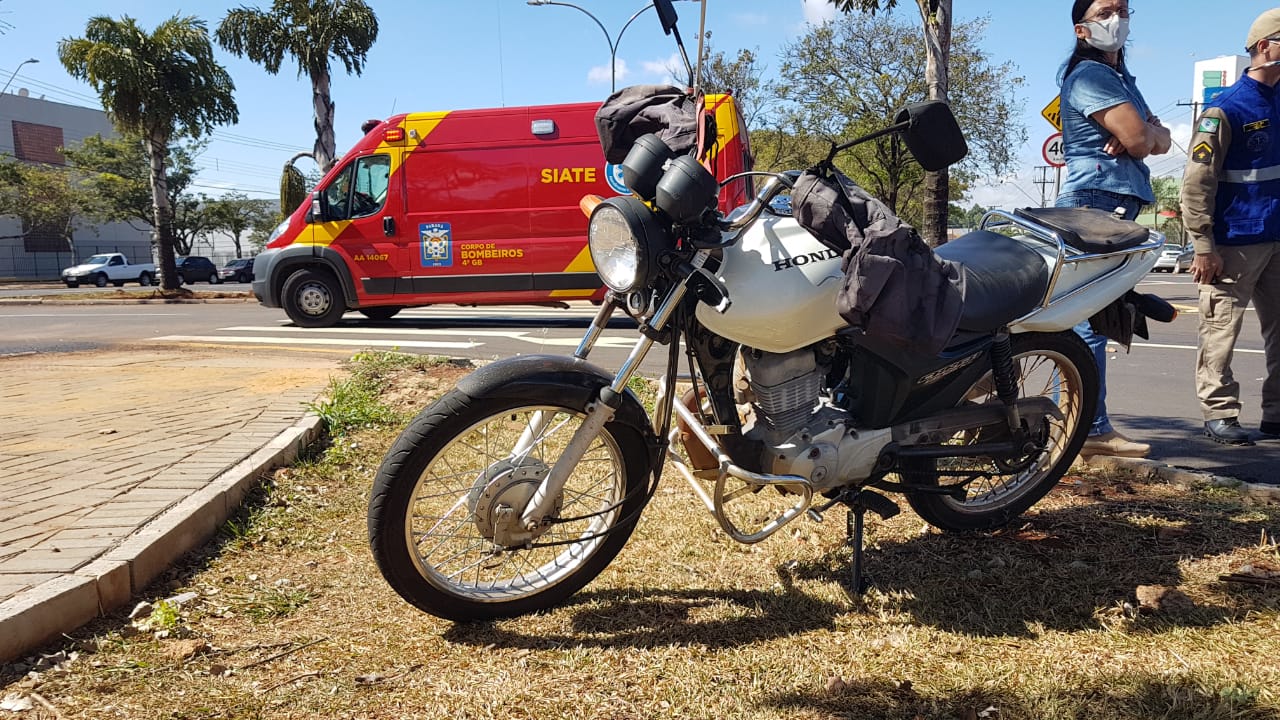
803	433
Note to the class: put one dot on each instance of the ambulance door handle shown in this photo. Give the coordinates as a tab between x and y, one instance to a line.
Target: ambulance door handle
388	226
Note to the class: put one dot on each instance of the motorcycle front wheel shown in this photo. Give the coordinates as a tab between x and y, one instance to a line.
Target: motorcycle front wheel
1058	366
464	461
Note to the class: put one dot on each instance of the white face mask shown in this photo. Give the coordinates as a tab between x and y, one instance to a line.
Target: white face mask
1110	35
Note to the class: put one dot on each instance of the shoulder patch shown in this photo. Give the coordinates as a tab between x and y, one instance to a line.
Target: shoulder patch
1257	125
1208	125
1202	154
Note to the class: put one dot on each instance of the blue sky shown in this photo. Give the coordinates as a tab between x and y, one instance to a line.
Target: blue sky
437	55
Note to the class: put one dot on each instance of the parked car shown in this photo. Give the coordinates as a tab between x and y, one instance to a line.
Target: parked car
194	268
238	270
112	268
1175	259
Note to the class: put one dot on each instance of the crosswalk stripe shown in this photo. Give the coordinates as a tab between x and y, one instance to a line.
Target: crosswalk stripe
371	342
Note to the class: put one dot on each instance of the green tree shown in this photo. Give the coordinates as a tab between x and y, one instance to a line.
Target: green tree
46	199
935	16
848	77
311	32
742	76
262	230
236	213
155	85
117	171
1168	192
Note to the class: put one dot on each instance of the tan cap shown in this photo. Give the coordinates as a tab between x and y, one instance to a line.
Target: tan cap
1267	25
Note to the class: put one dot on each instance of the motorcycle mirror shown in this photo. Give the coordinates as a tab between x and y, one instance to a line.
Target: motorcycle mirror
932	134
666	14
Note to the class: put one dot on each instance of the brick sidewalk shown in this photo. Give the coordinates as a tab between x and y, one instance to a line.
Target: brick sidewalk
112	464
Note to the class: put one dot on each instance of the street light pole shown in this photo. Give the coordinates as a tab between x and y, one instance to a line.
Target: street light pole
15	73
613	43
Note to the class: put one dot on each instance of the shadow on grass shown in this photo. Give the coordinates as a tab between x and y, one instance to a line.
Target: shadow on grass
1064	570
1056	568
661	618
1186	697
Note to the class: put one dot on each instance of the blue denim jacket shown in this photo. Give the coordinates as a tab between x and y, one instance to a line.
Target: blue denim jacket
1091	87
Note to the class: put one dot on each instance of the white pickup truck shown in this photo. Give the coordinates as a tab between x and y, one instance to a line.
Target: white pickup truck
111	268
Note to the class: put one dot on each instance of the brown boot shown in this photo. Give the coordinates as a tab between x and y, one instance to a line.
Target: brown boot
1115	444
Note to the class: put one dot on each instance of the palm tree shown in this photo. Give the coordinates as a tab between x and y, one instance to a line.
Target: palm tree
311	31
154	85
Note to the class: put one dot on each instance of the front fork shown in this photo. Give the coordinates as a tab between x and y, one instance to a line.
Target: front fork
599	412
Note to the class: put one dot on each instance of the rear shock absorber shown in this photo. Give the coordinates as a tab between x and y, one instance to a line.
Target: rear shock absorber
1005	376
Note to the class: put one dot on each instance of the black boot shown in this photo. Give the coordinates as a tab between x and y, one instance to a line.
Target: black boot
1226	431
1270	429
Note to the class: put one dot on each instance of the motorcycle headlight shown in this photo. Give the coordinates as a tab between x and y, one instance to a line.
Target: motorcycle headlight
625	238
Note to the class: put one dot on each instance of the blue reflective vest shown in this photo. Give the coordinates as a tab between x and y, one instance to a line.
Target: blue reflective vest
1247	210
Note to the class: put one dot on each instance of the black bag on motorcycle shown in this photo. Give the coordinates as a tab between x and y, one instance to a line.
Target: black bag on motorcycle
665	110
894	288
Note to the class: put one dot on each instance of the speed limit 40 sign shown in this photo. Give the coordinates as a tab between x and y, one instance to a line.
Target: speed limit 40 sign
1052	151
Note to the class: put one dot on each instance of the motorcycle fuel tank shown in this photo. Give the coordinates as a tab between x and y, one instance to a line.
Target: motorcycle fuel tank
782	283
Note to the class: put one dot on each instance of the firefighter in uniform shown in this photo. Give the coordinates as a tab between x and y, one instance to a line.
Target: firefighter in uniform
1231	211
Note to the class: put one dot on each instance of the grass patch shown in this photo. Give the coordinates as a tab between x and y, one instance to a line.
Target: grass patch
358	399
1039	620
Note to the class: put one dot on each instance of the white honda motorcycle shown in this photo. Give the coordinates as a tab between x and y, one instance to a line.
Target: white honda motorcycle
518	487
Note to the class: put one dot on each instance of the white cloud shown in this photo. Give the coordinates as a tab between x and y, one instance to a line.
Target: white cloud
756	19
600	74
661	71
817	12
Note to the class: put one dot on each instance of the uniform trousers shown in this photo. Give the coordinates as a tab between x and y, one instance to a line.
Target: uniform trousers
1250	273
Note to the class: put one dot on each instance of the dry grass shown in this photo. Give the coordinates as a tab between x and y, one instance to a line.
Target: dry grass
292	619
149	293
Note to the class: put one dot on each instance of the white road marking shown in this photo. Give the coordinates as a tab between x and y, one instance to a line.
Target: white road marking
266	339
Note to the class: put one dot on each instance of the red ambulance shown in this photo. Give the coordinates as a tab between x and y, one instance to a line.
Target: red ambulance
471	207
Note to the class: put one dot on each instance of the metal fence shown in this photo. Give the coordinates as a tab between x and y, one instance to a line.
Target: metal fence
18	264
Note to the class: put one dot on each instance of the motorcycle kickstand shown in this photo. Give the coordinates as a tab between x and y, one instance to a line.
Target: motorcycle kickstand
859	502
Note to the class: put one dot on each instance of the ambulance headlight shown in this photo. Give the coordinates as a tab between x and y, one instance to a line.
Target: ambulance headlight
625	238
284	225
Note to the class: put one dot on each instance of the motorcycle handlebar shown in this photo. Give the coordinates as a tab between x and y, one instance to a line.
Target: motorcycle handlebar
747	214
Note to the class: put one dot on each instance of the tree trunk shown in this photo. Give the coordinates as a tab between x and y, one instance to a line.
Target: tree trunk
322	105
936	15
157	144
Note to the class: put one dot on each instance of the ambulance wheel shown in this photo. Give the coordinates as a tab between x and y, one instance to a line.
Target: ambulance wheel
312	298
385	312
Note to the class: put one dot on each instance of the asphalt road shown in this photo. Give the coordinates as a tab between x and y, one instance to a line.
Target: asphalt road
1151	388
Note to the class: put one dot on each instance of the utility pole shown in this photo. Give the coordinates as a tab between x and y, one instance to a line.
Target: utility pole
1044	181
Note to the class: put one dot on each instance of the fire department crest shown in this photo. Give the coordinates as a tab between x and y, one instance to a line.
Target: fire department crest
437	244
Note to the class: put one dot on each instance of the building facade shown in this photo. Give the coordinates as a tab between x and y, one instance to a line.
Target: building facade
32	130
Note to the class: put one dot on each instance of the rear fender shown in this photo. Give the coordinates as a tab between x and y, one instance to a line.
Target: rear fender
555	379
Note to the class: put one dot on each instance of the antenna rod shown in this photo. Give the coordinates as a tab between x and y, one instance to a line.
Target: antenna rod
702	35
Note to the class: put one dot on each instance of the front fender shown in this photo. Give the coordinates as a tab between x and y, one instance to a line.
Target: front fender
555	379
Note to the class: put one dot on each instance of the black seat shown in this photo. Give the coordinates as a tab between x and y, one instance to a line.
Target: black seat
1004	279
1087	229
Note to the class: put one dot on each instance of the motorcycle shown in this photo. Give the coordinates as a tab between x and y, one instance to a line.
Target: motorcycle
518	487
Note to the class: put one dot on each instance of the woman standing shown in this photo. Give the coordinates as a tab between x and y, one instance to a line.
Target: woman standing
1107	129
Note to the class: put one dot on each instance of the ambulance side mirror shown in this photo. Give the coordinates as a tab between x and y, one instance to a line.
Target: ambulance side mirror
316	214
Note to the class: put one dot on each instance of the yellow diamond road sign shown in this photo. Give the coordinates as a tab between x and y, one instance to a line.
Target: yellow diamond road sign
1052	113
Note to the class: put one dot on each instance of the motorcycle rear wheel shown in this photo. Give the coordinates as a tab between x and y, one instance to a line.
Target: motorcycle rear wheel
441	483
1054	365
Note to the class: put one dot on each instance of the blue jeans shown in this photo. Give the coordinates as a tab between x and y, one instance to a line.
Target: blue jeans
1108	201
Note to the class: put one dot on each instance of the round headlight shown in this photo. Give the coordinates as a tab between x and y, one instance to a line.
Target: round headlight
625	237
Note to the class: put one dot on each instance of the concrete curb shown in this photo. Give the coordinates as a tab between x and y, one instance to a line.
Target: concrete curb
63	604
1183	477
122	301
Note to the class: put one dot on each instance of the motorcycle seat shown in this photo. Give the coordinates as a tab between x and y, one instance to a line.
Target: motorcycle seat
1003	279
1087	229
